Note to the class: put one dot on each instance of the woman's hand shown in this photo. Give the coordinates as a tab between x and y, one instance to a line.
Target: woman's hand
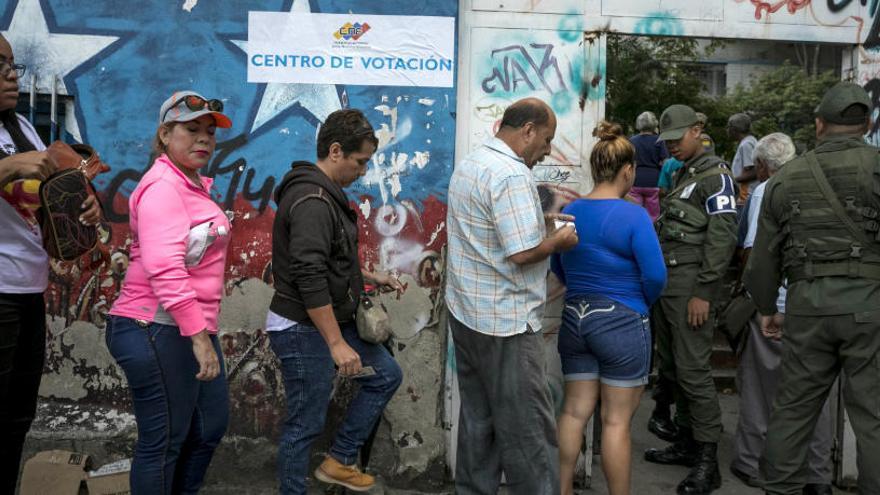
28	165
91	211
206	355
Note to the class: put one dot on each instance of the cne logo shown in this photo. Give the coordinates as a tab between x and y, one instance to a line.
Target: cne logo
351	32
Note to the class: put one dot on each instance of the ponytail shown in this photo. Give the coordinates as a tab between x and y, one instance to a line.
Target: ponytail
611	153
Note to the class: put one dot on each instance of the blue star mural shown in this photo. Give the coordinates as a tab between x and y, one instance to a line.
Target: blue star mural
119	60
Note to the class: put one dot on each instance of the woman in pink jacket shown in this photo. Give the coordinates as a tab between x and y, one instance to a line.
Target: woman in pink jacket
163	327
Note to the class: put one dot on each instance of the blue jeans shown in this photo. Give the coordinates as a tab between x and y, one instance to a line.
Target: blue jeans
602	339
308	371
180	419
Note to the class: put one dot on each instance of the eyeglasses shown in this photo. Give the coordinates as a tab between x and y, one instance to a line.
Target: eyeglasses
195	103
6	68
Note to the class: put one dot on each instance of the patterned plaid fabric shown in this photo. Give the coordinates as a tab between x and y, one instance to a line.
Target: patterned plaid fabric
494	212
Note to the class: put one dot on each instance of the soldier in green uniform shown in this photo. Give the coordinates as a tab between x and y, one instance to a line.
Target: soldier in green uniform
697	231
819	229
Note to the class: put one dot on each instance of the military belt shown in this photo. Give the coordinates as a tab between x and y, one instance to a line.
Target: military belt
682	258
852	269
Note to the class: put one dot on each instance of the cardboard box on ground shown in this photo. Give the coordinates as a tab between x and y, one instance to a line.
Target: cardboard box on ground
59	472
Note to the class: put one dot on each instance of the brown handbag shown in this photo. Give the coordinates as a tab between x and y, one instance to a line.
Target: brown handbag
61	197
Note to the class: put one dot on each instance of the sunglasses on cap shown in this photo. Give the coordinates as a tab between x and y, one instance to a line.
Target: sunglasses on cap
195	103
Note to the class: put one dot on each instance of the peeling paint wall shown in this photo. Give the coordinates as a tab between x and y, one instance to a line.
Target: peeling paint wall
118	61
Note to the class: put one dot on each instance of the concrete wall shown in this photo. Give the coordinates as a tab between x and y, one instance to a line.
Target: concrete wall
119	60
745	60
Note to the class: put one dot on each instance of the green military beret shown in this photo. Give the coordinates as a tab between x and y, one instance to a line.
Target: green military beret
845	104
675	121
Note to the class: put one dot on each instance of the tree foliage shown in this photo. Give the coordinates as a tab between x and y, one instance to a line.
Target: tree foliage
652	73
783	100
649	74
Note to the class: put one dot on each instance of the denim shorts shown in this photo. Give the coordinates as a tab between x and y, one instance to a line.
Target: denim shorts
604	340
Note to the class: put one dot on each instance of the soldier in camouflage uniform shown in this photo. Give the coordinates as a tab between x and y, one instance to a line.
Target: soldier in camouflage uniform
698	236
819	230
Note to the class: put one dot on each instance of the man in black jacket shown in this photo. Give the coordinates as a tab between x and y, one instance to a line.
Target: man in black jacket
311	321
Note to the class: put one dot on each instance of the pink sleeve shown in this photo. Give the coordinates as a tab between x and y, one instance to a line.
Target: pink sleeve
163	229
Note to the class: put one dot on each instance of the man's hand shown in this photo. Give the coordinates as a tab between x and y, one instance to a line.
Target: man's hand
347	360
564	239
551	218
698	312
388	282
771	326
91	211
28	165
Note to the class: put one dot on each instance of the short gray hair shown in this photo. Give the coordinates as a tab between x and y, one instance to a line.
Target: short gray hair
775	150
647	122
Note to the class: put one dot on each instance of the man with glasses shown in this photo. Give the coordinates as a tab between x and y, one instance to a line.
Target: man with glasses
24	270
311	320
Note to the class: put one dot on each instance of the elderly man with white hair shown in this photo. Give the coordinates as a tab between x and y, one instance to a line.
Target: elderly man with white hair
651	152
759	371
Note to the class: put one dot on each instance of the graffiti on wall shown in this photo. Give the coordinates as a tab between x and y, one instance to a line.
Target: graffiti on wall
828	14
545	64
118	68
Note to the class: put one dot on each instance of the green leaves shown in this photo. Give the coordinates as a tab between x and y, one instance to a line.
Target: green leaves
651	73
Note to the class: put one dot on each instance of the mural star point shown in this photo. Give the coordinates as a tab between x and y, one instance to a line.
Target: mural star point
49	54
318	99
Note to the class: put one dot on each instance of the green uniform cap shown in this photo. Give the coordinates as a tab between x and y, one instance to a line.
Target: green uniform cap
675	121
845	104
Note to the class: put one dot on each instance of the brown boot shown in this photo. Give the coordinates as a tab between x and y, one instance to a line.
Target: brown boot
333	472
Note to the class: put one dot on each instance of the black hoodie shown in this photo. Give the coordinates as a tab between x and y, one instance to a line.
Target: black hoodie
314	251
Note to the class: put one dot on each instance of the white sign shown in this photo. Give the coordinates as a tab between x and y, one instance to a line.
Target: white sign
370	50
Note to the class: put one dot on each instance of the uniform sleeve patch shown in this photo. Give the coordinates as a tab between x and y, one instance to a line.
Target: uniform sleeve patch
723	201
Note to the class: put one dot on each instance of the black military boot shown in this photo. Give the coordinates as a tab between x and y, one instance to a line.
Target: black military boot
818	489
661	424
683	452
704	477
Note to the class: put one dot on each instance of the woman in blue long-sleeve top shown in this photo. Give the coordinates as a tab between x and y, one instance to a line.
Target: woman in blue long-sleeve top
612	277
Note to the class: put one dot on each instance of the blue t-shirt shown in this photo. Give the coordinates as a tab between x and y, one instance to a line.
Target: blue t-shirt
650	153
618	255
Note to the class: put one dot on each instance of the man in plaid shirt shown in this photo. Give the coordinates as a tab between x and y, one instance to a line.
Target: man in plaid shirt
496	289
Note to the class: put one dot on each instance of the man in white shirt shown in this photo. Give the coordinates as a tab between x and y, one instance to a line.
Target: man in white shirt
739	128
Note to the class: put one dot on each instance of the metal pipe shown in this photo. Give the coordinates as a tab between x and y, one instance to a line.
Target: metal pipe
53	111
33	99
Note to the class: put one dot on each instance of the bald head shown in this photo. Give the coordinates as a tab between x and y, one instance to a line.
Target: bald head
528	127
524	111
